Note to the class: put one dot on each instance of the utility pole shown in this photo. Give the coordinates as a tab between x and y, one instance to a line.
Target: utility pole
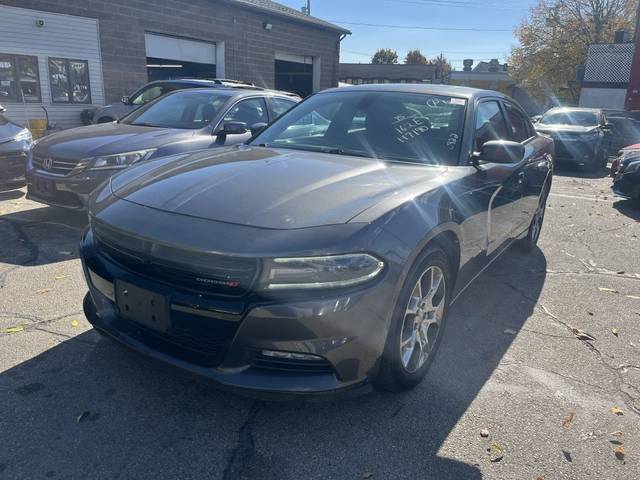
307	9
633	89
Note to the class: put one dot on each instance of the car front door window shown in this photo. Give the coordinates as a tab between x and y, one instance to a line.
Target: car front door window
490	124
249	112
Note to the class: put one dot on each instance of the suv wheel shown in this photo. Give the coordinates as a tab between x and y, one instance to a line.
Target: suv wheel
418	323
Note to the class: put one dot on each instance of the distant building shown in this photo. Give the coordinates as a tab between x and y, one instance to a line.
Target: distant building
364	73
606	75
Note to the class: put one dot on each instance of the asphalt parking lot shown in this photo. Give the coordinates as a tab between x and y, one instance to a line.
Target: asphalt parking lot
543	352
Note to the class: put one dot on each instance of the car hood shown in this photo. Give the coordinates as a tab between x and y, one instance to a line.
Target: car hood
106	139
270	188
571	129
8	130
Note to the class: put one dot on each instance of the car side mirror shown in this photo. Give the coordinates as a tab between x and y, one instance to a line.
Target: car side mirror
126	100
234	128
257	128
2	109
499	151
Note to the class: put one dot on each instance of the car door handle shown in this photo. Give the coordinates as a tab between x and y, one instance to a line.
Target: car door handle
520	178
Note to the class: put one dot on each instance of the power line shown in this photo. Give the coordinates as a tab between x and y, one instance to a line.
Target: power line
457	4
416	27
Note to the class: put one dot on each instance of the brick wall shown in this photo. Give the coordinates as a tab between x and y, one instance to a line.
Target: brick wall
249	49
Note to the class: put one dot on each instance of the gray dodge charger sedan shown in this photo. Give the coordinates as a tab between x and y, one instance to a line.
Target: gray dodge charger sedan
321	257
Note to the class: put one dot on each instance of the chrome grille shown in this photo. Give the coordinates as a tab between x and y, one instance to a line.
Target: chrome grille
55	165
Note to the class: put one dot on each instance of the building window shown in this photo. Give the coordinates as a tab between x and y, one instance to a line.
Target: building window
69	80
19	78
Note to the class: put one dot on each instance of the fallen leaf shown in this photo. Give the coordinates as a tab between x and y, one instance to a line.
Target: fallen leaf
615	331
74	323
82	416
580	335
497	447
619	453
44	290
617	411
617	433
567	456
61	277
497	459
484	433
510	331
566	423
16	329
610	290
590	314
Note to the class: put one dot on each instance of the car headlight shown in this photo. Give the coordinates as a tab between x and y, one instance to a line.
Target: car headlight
320	272
23	135
119	160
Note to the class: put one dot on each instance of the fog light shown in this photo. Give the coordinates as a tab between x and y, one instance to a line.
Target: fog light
290	356
105	287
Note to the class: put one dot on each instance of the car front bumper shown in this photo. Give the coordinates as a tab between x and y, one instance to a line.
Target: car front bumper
13	159
346	332
67	191
576	151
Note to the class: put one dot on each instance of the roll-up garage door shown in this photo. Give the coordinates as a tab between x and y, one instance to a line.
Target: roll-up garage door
173	57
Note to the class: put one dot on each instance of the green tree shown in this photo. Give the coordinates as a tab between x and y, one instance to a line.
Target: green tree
444	67
554	40
415	57
384	56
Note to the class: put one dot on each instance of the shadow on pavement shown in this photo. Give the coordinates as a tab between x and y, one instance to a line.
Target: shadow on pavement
11	195
88	409
40	236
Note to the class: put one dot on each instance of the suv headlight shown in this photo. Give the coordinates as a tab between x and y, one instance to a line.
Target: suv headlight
119	160
320	272
23	135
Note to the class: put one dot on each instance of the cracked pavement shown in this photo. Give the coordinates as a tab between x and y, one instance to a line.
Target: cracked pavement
537	338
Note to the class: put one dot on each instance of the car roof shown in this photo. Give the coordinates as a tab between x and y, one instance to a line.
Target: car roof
238	92
424	88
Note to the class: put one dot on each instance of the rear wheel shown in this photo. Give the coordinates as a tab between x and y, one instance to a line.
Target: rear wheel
418	324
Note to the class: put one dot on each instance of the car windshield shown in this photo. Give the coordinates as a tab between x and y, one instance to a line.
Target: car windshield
584	119
397	126
188	109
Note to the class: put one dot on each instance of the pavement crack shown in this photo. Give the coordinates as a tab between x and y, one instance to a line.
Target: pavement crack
244	450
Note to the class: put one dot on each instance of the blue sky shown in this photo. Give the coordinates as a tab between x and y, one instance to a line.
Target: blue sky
456	45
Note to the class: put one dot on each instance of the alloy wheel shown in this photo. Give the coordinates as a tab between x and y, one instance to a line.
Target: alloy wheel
422	319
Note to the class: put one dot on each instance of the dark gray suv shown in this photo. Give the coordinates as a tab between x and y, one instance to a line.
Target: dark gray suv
322	256
64	168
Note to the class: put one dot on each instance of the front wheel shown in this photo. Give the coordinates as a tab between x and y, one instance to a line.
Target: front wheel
529	242
418	323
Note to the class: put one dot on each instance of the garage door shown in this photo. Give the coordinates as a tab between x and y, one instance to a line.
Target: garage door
172	57
294	73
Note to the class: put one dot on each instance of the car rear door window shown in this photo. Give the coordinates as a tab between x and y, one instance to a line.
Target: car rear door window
150	93
490	124
249	112
519	125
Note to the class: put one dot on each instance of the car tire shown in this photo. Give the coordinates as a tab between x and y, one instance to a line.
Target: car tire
404	362
530	242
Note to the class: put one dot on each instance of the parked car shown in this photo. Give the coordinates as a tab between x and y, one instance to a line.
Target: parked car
625	128
153	90
322	259
15	142
626	172
581	135
65	167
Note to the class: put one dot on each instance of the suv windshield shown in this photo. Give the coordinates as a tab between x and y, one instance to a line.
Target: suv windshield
188	109
584	119
398	126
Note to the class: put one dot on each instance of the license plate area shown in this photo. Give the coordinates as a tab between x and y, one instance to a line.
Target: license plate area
44	187
143	306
